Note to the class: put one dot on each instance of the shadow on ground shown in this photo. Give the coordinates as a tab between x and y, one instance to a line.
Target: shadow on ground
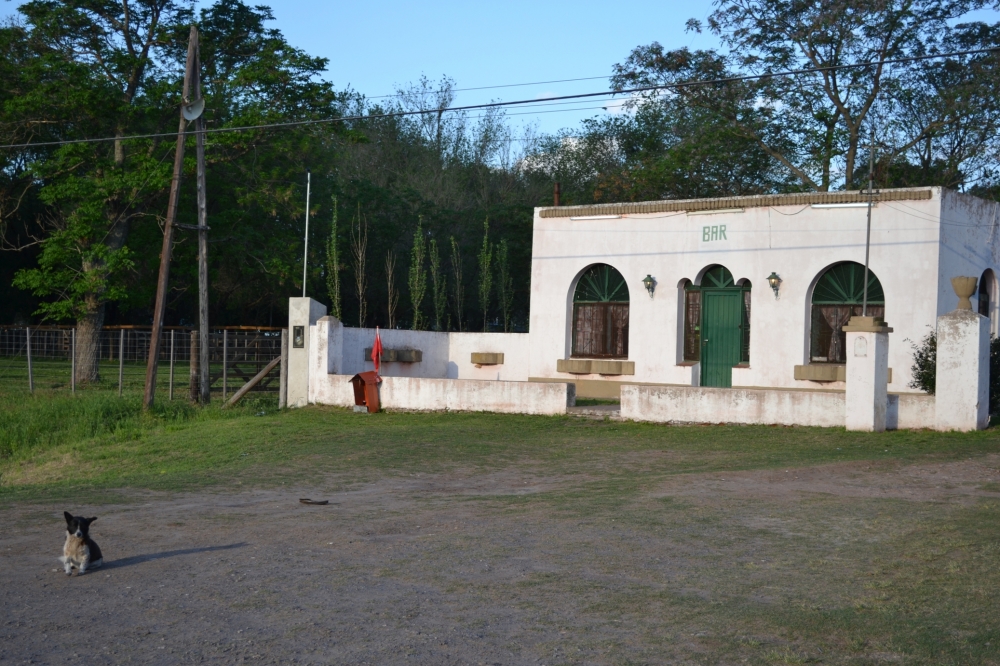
139	559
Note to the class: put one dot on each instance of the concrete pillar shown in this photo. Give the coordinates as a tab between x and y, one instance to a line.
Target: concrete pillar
962	387
326	353
867	374
303	313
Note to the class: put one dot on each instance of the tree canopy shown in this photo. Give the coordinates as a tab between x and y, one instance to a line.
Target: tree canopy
81	223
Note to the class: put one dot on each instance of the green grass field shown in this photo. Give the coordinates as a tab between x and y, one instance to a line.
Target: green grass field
805	577
54	442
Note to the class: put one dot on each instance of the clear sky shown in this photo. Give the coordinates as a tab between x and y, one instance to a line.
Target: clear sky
375	46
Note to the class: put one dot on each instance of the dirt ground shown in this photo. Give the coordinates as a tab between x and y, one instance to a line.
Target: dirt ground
458	568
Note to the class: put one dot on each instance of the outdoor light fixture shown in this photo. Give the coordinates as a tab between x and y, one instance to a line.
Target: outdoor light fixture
775	282
649	283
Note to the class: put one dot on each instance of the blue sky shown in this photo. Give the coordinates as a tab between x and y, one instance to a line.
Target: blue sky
375	46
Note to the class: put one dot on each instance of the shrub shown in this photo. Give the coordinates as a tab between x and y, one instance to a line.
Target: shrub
924	368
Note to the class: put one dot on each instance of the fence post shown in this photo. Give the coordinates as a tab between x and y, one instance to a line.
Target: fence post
31	376
121	360
225	361
171	393
283	376
72	363
193	388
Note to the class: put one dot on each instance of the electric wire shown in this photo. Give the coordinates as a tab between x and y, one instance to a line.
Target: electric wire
508	85
491	105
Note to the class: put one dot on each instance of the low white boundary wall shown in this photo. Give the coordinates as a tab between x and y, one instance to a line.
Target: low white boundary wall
665	404
682	404
445	355
460	395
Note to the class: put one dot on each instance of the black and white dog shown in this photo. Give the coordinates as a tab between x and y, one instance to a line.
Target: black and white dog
80	550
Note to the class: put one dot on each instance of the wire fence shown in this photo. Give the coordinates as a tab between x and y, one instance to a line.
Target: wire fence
43	358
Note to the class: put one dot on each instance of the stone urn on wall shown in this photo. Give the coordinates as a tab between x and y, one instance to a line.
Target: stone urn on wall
964	288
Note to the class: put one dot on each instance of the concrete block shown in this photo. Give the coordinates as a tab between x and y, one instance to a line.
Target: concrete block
867	393
963	371
303	313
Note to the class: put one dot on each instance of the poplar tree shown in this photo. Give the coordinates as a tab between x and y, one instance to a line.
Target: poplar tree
418	277
439	287
359	249
456	270
505	284
333	267
485	274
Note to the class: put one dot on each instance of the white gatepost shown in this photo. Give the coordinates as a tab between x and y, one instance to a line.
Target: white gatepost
962	390
303	313
867	374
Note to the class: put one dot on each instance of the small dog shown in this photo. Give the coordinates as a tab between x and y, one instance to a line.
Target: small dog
80	550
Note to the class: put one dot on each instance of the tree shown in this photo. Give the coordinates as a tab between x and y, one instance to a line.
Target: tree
94	192
456	270
111	70
390	283
418	277
359	250
333	267
813	124
505	284
439	287
485	272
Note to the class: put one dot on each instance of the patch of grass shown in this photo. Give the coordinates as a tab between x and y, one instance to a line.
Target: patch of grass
57	443
589	402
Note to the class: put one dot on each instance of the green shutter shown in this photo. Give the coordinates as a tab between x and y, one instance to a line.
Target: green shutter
843	284
717	277
601	284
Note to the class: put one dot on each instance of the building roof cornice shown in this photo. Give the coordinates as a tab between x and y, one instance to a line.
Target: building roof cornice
757	201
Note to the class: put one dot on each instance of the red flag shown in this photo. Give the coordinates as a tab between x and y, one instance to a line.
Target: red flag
377	351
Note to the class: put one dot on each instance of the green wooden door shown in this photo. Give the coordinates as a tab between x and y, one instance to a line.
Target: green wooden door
721	335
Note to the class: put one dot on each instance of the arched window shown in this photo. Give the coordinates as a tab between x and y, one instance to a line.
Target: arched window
985	291
838	296
600	314
717	325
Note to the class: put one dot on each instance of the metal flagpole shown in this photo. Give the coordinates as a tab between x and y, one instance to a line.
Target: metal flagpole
868	233
305	255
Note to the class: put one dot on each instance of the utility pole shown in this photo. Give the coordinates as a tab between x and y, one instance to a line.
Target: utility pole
168	232
305	254
868	234
204	348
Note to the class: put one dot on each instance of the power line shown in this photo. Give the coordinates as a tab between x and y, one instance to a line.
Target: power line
492	105
508	85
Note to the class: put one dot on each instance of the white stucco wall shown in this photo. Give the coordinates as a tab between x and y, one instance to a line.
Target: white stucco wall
445	355
467	395
665	404
916	247
671	404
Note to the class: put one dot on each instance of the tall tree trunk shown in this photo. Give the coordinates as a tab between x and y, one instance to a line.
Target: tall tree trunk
88	340
91	321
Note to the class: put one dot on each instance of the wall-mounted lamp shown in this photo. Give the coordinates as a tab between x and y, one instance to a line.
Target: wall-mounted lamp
649	283
775	283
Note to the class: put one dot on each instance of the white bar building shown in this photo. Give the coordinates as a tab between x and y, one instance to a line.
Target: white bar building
706	310
710	316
